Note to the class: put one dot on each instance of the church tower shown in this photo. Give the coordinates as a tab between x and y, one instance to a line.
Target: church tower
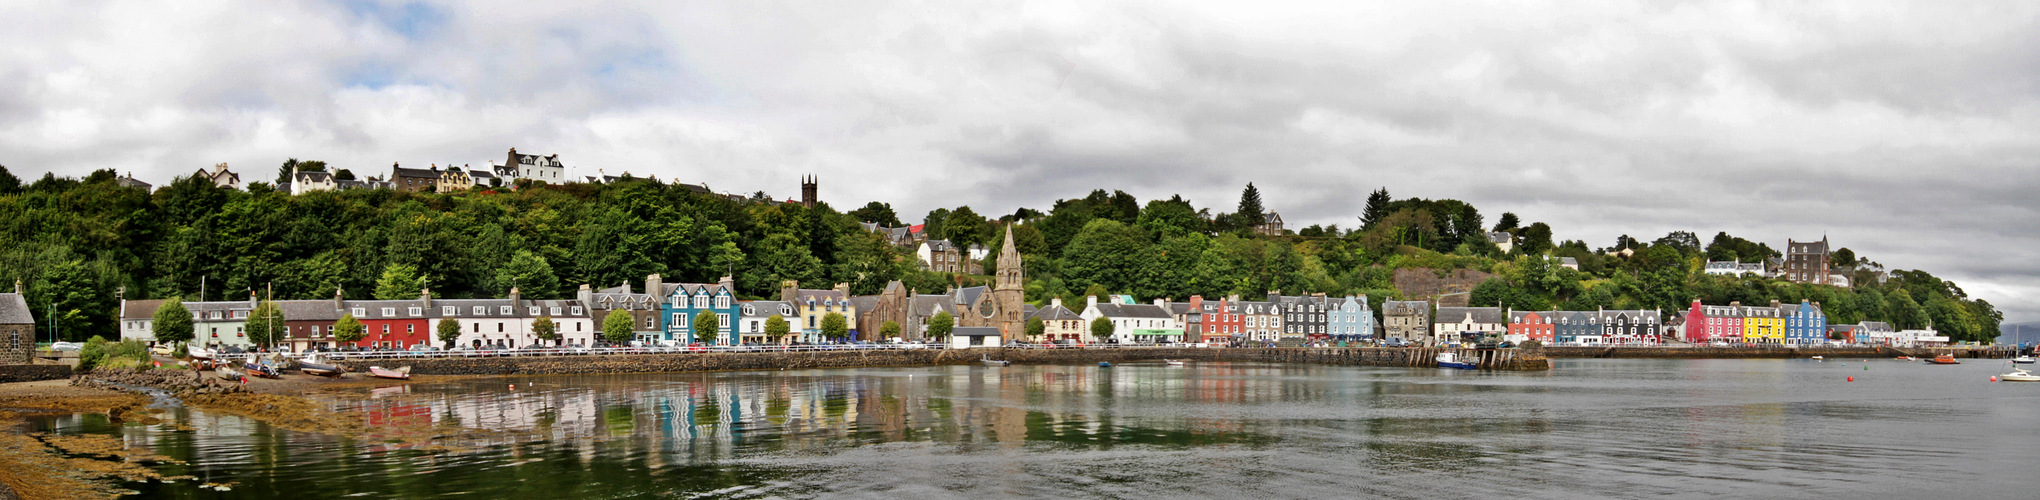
1008	294
808	186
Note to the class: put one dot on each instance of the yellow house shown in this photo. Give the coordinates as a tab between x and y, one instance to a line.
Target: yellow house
1764	325
811	307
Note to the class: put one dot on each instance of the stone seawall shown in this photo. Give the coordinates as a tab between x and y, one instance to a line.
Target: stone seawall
31	373
1504	359
1753	352
179	382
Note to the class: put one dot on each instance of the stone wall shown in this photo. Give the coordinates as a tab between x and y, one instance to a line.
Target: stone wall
17	344
1417	283
663	363
31	373
1751	352
180	382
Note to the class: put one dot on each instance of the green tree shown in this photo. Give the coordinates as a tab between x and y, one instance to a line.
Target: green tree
1105	253
877	213
1508	222
449	331
399	282
965	227
1536	239
348	330
940	325
545	329
266	325
1036	328
1376	210
835	326
890	330
1101	329
531	274
172	322
618	327
707	327
776	329
1250	213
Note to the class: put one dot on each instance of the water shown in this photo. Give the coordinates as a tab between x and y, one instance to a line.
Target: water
1589	428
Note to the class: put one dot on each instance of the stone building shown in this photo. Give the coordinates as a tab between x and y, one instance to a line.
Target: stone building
1059	323
643	308
1271	225
809	189
940	256
416	180
1806	261
1409	320
17	328
1009	303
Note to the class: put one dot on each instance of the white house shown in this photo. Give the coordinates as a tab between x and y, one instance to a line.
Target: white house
306	182
1452	324
1132	322
138	318
544	168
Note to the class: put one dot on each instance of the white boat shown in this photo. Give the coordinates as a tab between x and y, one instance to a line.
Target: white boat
988	361
1174	362
1449	359
2024	360
2019	375
1820	358
197	352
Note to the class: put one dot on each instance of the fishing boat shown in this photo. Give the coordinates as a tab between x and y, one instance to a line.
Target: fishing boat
1104	364
2019	375
259	370
227	373
2024	360
1451	360
988	361
1944	359
1174	362
403	373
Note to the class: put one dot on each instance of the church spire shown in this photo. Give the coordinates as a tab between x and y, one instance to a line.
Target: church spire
1008	273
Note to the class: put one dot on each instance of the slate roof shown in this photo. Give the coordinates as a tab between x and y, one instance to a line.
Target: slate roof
321	177
969	295
1568	261
765	309
864	303
1876	326
1500	237
1479	314
465	308
14	310
308	310
1132	311
399	309
940	246
140	309
820	296
974	331
1406	308
928	305
1054	313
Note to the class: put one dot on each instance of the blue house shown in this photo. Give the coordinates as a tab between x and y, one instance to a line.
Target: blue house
1350	319
1805	324
680	302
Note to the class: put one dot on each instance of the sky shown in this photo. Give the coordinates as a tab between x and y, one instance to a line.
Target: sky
1903	131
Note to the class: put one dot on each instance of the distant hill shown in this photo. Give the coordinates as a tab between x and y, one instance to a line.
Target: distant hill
2029	331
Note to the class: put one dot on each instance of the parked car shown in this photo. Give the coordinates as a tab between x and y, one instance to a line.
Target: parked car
1395	342
66	346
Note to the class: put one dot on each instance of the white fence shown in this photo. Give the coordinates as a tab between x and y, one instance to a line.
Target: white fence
582	351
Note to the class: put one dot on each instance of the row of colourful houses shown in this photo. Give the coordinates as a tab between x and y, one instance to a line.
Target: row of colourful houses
1799	324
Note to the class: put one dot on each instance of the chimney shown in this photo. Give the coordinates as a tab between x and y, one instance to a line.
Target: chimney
1774	302
1162	302
1232	298
1735	303
339	300
843	288
513	296
789	290
1055	301
586	295
655	285
1090	301
252	301
728	283
17	287
425	297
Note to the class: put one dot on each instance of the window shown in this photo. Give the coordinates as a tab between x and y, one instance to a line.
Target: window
648	322
506	311
389	311
577	326
701	302
722	301
410	328
555	310
386	329
677	323
416	311
577	310
499	327
448	311
478	328
535	310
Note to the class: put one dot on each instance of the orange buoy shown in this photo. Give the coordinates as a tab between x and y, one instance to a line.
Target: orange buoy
1993	378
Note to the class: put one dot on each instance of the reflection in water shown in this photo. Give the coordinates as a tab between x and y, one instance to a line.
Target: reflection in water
1591	427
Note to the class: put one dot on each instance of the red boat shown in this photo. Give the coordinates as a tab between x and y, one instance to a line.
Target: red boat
1944	359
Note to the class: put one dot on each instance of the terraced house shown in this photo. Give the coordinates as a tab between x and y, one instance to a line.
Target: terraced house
1763	325
1303	317
1409	320
1630	327
1805	323
680	302
811	306
1132	321
1350	319
643	307
1532	325
1466	325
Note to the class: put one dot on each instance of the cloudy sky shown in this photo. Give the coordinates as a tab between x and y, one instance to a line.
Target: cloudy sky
1905	131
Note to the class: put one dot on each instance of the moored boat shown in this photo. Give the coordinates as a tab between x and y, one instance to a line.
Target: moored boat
320	369
1905	358
402	373
988	361
1944	359
2024	360
1173	362
227	373
1104	364
2019	375
1451	360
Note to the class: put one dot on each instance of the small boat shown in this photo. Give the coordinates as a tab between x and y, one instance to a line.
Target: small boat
1451	360
1104	364
227	373
2024	360
1174	362
2019	375
988	361
1820	358
403	373
1906	358
321	369
197	352
1944	359
260	370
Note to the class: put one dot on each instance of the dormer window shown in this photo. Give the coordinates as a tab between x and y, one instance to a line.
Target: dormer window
389	311
448	311
750	311
722	301
534	310
360	311
416	311
506	310
555	310
577	310
480	311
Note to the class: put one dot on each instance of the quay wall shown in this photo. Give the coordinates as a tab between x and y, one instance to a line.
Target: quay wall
1501	359
31	373
1759	352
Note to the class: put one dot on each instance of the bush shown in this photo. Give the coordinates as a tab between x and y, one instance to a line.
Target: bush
93	352
1531	344
180	352
99	353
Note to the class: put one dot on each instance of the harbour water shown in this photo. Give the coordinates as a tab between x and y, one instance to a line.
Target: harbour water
1588	428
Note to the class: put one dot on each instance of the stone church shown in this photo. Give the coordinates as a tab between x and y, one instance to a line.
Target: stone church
1001	306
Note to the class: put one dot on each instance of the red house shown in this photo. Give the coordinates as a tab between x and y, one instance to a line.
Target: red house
395	324
1530	325
1221	319
1705	323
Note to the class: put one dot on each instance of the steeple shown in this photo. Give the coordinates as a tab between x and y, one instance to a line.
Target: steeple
1009	273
